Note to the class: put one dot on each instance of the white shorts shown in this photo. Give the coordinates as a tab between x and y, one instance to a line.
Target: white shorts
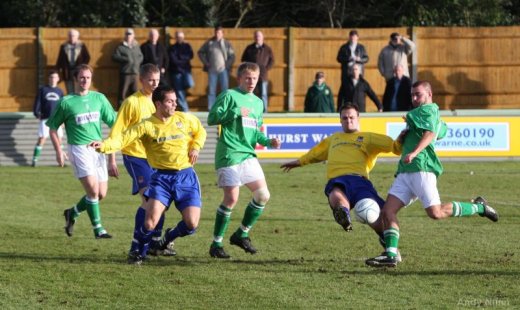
412	185
43	130
86	161
246	172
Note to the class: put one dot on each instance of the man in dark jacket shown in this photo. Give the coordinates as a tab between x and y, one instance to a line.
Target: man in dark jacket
72	54
180	55
319	97
351	53
261	54
398	96
355	89
155	53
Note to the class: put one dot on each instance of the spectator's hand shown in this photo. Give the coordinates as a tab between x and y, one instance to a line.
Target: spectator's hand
290	165
276	143
380	110
193	156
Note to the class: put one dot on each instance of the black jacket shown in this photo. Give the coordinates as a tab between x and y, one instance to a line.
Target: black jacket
357	94
344	58
404	96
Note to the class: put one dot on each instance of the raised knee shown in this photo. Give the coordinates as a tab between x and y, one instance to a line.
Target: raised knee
261	195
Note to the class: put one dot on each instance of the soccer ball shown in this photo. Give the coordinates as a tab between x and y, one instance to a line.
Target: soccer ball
367	211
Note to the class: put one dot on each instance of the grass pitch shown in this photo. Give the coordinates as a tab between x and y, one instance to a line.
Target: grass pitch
305	260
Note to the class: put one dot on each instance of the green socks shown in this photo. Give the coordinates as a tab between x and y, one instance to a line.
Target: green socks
392	241
251	215
37	152
80	207
221	223
95	216
466	208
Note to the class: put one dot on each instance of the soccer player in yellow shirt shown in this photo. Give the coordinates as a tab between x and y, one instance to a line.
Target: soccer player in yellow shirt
350	157
172	141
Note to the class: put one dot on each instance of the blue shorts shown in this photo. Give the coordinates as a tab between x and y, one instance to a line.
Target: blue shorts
355	188
139	170
181	187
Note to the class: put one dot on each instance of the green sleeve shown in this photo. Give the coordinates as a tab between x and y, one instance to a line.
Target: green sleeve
223	111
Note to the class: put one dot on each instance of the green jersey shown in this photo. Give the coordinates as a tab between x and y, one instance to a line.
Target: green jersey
423	118
82	116
238	135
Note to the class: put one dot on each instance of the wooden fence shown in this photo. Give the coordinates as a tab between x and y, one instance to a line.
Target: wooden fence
468	67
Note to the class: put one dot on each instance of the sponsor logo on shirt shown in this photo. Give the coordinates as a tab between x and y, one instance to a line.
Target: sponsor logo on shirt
85	118
248	122
173	137
52	96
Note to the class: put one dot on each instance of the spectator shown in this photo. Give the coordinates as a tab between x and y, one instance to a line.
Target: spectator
398	96
154	53
319	97
396	52
129	56
217	56
72	54
262	55
351	53
180	55
355	89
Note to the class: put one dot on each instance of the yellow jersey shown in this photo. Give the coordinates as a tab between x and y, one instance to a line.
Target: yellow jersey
134	109
166	143
350	153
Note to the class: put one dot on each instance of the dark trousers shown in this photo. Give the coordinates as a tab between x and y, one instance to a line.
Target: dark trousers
128	84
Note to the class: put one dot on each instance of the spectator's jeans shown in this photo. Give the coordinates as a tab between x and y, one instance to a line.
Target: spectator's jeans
213	77
181	82
264	94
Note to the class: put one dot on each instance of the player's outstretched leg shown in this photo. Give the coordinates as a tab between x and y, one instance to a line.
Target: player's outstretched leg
488	212
390	257
342	217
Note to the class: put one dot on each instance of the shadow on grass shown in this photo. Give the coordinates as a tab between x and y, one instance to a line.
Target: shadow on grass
318	266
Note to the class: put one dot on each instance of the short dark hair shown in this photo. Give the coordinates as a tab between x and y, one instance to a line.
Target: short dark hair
247	66
219	27
347	106
353	32
160	92
53	71
394	36
148	69
83	67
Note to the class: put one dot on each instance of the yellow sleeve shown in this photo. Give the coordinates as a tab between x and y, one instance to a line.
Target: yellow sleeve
198	132
318	153
116	143
126	116
383	144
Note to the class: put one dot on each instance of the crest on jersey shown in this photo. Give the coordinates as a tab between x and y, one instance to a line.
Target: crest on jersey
179	125
360	139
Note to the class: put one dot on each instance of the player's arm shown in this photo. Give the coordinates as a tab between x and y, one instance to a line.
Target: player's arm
224	111
427	138
55	139
318	153
115	144
199	138
384	144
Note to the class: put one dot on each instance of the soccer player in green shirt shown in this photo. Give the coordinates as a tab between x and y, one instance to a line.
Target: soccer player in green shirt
239	113
82	113
417	173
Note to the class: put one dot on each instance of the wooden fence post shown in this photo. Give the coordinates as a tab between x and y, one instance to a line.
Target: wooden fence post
290	69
